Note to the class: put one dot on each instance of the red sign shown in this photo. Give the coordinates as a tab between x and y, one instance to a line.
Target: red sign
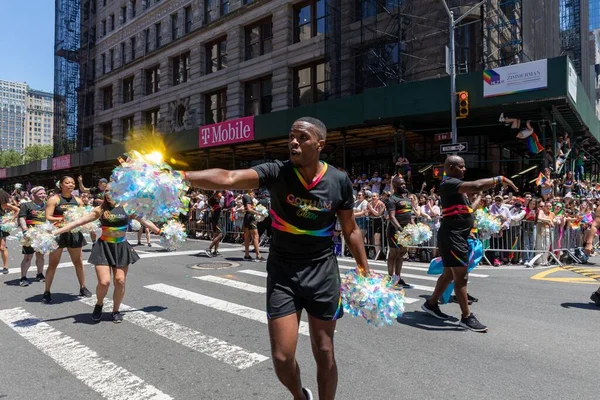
62	162
2	173
442	136
228	132
438	172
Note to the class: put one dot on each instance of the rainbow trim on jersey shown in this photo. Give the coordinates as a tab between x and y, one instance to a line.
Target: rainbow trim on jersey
283	226
458	209
339	309
315	181
458	258
111	234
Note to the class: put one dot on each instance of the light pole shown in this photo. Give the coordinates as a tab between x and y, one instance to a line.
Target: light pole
452	62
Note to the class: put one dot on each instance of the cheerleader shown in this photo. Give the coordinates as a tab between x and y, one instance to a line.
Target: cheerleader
74	242
6	207
111	252
31	214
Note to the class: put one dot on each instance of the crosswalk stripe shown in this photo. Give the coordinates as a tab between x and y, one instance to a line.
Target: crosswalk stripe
407	300
213	347
101	375
404	275
231	283
404	266
217	304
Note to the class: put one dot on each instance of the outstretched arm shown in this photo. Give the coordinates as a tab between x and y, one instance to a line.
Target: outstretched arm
485	184
218	179
354	239
92	216
82	188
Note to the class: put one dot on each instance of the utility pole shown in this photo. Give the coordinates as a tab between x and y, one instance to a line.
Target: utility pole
452	62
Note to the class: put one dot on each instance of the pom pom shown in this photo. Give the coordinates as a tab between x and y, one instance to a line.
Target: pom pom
413	235
487	224
173	235
23	238
75	213
8	224
263	213
148	187
135	225
42	239
372	297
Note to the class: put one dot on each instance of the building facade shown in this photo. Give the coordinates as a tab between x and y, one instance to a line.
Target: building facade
40	118
13	97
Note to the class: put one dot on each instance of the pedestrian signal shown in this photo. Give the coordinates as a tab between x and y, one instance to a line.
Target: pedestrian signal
463	104
438	172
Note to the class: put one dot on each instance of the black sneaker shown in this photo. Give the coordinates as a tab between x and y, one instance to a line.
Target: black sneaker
307	393
139	243
473	324
248	258
117	317
472	299
149	244
434	310
40	278
97	314
5	270
46	298
260	259
84	292
208	253
24	282
453	299
595	297
216	253
402	284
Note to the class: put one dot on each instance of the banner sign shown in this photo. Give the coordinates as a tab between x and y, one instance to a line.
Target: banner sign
62	162
515	78
2	173
228	132
572	83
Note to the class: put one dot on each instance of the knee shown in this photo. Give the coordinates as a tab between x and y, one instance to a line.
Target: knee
281	360
119	282
104	283
323	354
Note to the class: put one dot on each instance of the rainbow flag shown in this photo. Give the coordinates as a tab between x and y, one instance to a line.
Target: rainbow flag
513	247
540	179
533	144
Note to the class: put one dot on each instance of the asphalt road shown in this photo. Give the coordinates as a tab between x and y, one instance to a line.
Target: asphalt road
190	338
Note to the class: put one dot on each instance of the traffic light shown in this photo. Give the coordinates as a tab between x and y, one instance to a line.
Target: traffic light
463	104
438	172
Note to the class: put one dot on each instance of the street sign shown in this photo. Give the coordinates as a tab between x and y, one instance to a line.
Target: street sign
439	137
454	148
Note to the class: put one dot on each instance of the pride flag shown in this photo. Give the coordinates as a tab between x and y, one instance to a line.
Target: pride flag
533	144
540	179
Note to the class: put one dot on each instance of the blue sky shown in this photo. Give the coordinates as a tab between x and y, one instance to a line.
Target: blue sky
27	41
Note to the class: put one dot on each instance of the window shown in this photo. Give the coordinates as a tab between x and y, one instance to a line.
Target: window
133	8
93	69
258	39
258	97
157	35
224	7
309	84
123	54
128	90
152	118
188	19
378	65
152	80
107	133
365	9
123	15
174	29
107	97
309	20
181	68
216	55
216	107
132	40
147	41
111	58
103	63
247	2
111	22
126	126
210	11
103	27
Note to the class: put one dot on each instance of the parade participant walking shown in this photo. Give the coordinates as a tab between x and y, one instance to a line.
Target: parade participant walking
306	197
73	242
215	205
111	253
400	212
31	214
97	194
456	227
588	243
6	206
250	227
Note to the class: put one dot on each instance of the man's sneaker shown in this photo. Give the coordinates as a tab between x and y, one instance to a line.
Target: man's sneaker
216	253
46	298
307	393
473	324
208	253
402	284
85	292
472	299
5	270
259	259
453	299
595	297
149	244
40	278
24	282
433	310
248	258
139	243
117	317
97	314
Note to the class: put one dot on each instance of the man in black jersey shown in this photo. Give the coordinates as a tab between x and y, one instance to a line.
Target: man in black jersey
215	206
588	243
250	227
306	197
456	227
97	192
32	213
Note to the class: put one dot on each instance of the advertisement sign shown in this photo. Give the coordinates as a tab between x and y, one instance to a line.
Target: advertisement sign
228	132
572	83
2	173
515	78
62	162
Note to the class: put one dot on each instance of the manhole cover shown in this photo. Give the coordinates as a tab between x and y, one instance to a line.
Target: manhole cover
214	265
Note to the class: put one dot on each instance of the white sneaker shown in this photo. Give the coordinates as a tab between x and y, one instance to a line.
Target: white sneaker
307	393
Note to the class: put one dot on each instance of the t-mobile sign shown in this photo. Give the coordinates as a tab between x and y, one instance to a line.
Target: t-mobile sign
228	132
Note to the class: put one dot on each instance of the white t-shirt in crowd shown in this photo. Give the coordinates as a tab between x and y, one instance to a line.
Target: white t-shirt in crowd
376	185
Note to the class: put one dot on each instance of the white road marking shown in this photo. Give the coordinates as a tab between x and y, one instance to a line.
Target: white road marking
231	283
106	378
422	277
217	304
404	266
211	346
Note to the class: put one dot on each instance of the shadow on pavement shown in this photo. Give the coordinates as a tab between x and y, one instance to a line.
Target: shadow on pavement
86	318
57	298
420	320
583	306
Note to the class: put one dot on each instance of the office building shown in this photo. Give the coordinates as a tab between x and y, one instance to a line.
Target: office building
13	97
40	118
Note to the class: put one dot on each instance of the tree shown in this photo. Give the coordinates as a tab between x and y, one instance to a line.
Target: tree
10	158
37	152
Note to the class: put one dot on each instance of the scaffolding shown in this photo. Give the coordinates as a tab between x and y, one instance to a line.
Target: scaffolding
570	31
503	37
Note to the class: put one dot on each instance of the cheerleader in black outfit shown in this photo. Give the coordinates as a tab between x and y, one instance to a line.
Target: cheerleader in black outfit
111	252
6	206
55	209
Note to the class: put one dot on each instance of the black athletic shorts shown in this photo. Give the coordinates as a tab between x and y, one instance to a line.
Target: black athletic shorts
250	222
313	286
391	236
27	250
214	225
453	245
